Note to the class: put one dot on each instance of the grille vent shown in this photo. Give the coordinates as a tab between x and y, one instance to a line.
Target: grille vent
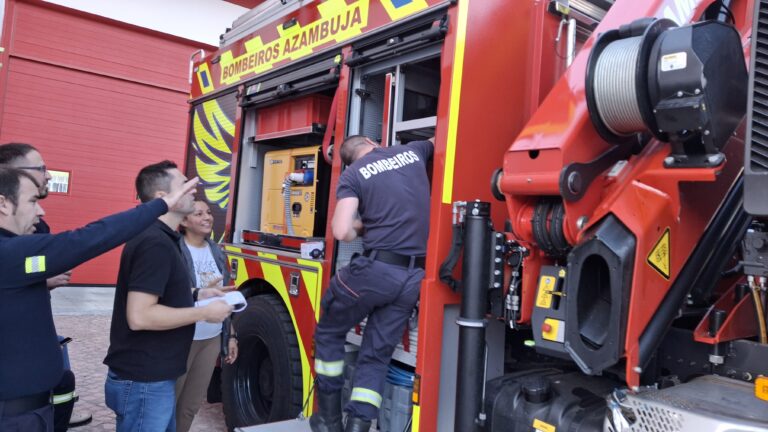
653	418
758	152
756	155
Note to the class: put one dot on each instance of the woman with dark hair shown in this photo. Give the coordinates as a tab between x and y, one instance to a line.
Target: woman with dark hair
207	268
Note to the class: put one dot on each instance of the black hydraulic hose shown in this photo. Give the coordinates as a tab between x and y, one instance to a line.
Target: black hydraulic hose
708	276
713	250
725	14
476	277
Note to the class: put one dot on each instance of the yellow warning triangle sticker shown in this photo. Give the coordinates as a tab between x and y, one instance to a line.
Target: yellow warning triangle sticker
659	256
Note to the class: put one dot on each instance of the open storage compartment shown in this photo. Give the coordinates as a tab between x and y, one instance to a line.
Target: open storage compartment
284	179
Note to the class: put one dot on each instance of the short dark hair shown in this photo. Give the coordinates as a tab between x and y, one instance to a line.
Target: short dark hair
10	182
11	152
153	178
349	148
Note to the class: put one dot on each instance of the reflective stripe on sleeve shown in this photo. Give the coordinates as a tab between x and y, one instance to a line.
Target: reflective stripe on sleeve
330	369
360	394
34	264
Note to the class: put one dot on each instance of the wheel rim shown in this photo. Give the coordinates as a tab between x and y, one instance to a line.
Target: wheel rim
255	380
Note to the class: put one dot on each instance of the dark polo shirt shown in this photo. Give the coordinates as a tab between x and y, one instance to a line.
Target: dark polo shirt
151	263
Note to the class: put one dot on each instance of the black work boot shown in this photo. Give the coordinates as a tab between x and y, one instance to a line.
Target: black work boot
328	415
356	424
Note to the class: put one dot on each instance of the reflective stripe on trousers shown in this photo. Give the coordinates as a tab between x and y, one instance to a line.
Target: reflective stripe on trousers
360	394
384	293
329	369
64	397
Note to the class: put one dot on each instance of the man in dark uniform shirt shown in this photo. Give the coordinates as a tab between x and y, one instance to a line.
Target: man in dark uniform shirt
27	158
153	318
31	357
389	189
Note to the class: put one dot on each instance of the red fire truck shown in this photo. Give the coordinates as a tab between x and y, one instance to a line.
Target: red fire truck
593	297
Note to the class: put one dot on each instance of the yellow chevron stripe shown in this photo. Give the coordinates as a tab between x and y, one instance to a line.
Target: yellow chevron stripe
312	283
203	69
242	272
455	98
396	13
415	415
274	275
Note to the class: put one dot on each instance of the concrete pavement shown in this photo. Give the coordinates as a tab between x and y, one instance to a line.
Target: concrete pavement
84	314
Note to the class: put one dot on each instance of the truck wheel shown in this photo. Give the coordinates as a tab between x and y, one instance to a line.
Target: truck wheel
265	383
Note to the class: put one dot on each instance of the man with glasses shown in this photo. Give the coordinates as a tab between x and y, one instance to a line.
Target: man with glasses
28	159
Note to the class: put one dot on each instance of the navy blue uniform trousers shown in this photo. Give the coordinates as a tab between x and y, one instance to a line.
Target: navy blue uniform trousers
386	294
39	420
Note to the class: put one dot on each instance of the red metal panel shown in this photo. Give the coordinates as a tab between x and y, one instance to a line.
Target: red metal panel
645	197
387	110
497	88
101	129
740	321
99	99
228	230
5	37
292	117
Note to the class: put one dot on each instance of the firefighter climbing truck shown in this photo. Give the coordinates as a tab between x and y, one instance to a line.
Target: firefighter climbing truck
610	275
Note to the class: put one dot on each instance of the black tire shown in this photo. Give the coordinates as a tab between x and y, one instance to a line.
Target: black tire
265	383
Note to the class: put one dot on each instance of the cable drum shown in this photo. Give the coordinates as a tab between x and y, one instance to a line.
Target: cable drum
615	88
618	79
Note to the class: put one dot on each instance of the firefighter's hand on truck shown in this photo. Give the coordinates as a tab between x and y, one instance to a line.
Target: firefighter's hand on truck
217	311
175	195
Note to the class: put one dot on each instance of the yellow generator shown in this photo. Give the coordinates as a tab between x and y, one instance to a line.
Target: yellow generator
288	199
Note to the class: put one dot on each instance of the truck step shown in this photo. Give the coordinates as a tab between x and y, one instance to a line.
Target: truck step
295	425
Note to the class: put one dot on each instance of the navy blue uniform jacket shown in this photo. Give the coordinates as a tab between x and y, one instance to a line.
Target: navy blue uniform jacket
30	356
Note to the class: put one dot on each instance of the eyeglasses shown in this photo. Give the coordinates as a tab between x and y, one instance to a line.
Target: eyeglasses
41	168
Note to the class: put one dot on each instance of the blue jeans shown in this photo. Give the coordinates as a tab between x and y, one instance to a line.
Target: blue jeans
141	406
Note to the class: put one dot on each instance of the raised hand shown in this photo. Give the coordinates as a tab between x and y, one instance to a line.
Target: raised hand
174	196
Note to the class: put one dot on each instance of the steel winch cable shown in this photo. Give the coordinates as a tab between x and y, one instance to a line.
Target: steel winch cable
615	87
